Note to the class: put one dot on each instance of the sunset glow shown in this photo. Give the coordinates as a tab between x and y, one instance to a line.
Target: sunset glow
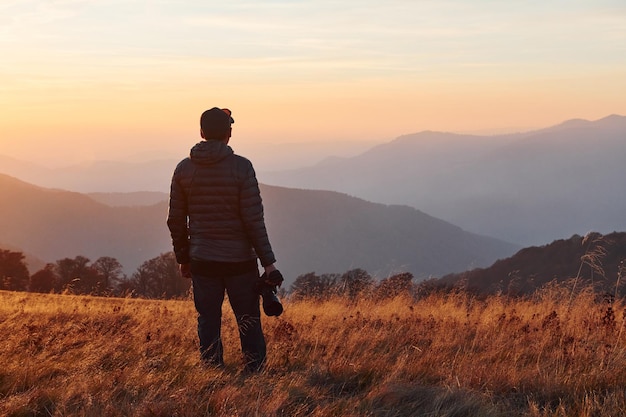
87	79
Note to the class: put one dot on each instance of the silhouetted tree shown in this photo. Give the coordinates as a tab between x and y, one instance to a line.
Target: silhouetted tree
13	271
160	278
395	285
355	282
77	276
110	273
44	280
314	286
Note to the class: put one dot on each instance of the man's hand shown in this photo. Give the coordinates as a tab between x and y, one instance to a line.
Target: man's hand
269	269
273	278
185	270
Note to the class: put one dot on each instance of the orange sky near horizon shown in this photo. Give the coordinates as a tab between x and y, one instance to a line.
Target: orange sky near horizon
75	85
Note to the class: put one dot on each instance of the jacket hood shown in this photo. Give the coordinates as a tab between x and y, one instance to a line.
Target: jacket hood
210	152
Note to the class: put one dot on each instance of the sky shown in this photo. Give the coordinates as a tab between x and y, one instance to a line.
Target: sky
100	79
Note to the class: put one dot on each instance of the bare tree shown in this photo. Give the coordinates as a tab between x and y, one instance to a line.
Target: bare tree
110	271
314	286
355	282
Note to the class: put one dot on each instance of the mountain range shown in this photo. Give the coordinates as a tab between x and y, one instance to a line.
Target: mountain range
529	188
311	231
95	176
152	171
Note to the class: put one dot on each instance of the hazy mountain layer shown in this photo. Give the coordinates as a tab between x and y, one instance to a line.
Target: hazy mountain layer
96	176
528	188
311	231
152	171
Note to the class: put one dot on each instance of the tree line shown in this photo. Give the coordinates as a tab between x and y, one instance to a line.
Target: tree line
155	278
159	278
352	284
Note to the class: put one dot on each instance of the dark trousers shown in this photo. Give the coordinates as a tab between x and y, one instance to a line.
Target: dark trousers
208	295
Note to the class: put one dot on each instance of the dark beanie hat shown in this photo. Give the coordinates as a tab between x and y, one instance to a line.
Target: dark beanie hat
216	122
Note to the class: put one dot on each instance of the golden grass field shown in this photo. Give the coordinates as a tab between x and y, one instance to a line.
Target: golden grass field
554	354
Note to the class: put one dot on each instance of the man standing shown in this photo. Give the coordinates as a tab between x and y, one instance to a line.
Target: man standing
218	231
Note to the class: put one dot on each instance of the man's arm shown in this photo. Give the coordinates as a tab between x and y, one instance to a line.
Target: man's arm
251	210
177	219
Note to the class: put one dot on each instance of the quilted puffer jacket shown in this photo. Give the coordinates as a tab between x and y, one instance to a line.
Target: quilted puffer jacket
215	209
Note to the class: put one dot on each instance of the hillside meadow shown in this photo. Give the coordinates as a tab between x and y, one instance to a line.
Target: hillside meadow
557	353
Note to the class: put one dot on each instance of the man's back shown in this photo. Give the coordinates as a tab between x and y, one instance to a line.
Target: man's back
218	192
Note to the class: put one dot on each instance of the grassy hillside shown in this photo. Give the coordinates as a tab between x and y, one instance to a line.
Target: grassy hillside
593	259
555	354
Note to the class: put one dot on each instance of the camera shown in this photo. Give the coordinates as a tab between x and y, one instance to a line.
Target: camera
271	303
267	287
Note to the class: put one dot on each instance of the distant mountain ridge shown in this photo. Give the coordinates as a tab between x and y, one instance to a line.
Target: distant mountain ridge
129	199
593	259
152	170
96	176
529	188
311	231
53	224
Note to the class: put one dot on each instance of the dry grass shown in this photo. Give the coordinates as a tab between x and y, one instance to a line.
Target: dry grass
443	355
